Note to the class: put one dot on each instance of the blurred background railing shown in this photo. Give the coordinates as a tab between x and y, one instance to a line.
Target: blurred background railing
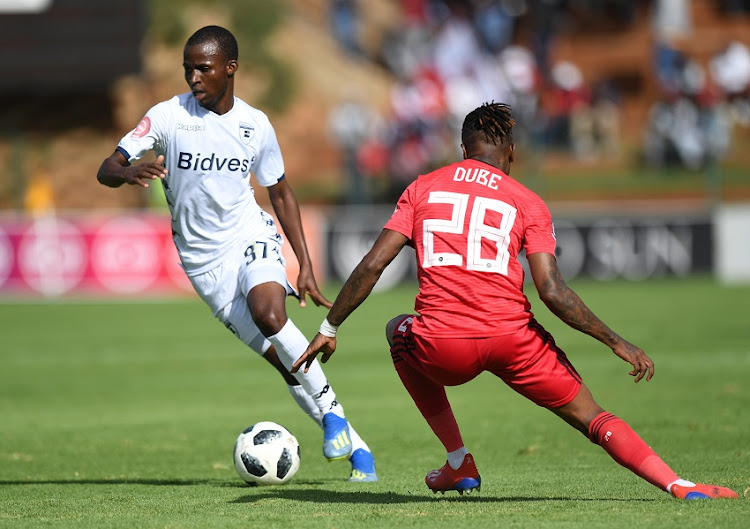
633	123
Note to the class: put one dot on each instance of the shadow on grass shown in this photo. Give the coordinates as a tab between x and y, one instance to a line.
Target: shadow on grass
166	482
123	481
377	498
318	495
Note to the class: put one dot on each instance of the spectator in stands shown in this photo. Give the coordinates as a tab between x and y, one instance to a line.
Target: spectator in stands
346	25
595	128
520	69
546	17
495	22
350	124
566	96
455	46
418	136
672	25
730	69
686	127
406	48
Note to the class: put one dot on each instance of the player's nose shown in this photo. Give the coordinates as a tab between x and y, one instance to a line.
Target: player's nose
193	78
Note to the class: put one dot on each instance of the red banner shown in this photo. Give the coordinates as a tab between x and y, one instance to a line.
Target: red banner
125	254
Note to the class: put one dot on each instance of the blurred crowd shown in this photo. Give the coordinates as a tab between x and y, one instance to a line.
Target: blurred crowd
691	123
449	55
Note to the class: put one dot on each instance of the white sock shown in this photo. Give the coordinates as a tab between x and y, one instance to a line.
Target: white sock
456	458
290	343
680	482
306	402
357	441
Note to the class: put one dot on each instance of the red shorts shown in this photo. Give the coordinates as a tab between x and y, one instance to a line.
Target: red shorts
528	361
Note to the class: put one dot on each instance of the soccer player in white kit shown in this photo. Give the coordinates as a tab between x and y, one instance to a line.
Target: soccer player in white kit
208	143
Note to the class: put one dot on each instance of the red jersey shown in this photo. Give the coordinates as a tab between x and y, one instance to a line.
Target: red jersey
468	222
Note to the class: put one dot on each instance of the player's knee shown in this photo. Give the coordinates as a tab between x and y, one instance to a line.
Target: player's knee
269	321
390	327
580	411
267	305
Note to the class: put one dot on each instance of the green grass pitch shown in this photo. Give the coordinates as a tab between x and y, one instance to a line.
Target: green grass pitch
124	414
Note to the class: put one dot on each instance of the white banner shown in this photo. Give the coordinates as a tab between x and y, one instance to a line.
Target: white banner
732	243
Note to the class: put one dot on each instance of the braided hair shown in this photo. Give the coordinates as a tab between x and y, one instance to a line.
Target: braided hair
221	36
491	119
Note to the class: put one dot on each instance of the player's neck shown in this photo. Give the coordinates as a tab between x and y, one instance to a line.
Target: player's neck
223	106
489	161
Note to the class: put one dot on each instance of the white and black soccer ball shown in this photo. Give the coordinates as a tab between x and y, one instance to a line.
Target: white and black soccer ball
266	453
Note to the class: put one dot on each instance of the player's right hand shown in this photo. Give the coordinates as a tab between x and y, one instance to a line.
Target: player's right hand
137	175
320	344
642	364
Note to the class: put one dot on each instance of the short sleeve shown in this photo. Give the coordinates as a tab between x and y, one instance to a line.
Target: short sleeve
402	219
539	233
269	166
148	135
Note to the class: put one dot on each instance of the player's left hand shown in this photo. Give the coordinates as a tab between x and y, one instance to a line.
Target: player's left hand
320	344
642	364
306	286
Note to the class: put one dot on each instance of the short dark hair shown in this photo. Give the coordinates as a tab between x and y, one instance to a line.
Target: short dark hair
493	120
221	36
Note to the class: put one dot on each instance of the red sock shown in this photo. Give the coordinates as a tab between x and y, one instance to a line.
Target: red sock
432	402
628	449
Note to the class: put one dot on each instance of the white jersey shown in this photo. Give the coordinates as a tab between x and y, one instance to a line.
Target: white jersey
210	158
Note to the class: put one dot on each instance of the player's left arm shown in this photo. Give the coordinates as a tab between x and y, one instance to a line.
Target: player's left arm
286	207
569	307
356	289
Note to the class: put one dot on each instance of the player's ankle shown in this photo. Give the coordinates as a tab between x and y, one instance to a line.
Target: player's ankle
456	458
681	483
336	409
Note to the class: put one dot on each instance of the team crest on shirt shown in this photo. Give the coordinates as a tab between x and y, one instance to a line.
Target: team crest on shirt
247	132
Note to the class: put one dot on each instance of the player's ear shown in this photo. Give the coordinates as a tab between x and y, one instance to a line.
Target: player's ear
511	151
463	151
232	66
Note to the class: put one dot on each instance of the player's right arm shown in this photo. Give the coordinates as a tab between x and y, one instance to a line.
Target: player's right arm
569	307
149	135
356	289
116	171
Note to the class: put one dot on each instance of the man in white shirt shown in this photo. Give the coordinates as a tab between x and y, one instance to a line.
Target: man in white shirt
208	144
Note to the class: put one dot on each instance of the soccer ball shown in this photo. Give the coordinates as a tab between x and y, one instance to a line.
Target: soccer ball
266	453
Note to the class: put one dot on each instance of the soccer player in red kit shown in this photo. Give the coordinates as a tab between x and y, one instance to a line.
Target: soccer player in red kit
468	222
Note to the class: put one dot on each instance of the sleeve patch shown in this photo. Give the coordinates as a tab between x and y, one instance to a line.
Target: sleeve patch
142	129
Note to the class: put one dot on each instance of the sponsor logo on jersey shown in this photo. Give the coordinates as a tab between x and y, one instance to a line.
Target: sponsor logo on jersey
212	162
142	129
247	132
190	127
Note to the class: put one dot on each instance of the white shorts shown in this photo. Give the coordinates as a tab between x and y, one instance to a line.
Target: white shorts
225	288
